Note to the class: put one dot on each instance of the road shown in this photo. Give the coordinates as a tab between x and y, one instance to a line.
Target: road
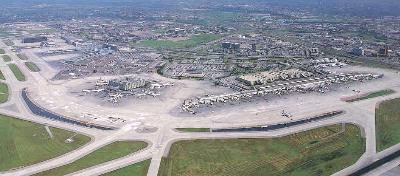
361	113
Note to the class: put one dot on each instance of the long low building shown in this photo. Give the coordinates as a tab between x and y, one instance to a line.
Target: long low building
271	76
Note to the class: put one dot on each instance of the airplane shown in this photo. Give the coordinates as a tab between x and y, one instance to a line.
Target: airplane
154	94
97	90
113	100
285	114
116	96
86	90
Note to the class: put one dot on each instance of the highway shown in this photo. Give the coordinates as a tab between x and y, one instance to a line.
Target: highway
361	113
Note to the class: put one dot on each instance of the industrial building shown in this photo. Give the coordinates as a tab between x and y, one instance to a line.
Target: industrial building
36	39
268	76
127	84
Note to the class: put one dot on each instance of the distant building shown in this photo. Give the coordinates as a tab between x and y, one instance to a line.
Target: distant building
34	39
271	76
253	47
311	52
128	84
231	47
226	45
384	52
358	51
111	47
235	46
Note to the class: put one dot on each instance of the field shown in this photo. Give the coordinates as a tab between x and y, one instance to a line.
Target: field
2	51
192	42
193	129
3	93
138	169
321	151
387	118
371	36
107	153
32	66
23	143
371	95
17	72
42	31
8	42
22	56
2	76
4	34
6	58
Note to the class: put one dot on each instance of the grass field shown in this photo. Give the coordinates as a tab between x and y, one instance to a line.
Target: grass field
373	95
6	58
17	72
2	51
193	129
321	151
3	93
32	67
8	42
371	36
192	42
387	118
2	76
107	153
138	169
23	143
4	34
41	31
22	56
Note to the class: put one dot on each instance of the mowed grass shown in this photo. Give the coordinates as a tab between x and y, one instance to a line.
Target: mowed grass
3	93
387	119
6	58
32	66
192	42
2	51
2	76
23	143
22	56
17	72
321	151
373	95
137	169
8	42
107	153
41	31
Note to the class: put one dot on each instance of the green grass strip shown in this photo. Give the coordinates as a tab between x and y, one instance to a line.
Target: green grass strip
6	58
137	169
8	42
23	143
322	151
2	76
3	93
32	66
373	95
107	153
17	72
22	56
387	119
